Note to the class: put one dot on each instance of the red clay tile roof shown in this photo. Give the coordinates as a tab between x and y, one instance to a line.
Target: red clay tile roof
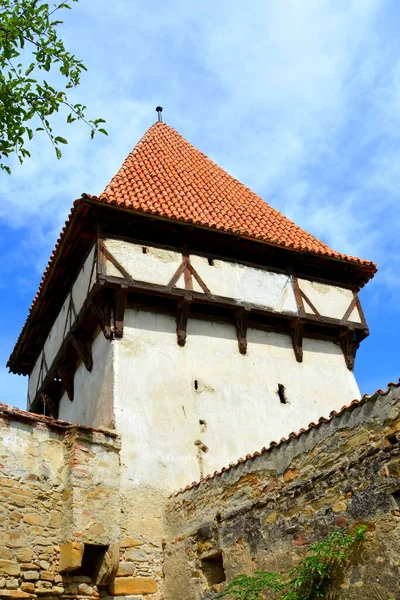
165	175
294	435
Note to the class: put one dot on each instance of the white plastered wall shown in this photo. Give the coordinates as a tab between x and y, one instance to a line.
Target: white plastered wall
93	392
158	410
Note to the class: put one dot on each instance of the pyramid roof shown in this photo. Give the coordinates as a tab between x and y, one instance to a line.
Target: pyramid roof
166	176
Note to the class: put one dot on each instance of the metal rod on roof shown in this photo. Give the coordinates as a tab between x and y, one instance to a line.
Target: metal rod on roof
159	111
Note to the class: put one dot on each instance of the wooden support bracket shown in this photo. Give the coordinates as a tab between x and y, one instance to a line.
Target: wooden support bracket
120	297
241	322
297	339
49	404
349	342
66	373
83	346
182	315
104	318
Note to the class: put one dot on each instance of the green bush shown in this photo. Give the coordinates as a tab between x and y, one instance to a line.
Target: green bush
309	580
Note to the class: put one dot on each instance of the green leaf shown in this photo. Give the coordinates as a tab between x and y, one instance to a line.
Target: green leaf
58	153
60	140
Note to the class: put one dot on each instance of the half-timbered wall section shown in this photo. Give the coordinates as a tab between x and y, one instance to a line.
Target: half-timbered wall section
61	330
218	279
118	274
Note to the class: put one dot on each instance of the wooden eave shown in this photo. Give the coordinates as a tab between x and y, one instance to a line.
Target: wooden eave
91	218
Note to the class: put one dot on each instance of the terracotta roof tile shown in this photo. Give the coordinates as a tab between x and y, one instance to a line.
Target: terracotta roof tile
165	175
334	414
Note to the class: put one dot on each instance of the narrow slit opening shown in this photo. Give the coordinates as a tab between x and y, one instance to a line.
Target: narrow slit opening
196	385
211	262
282	393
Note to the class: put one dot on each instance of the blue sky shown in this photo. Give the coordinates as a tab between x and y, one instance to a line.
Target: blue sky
299	99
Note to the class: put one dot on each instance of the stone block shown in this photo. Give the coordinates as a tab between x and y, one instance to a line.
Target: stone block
57	590
9	567
85	589
34	519
125	586
109	566
5	553
136	555
24	554
14	594
71	555
129	543
12	584
30	575
55	519
125	569
28	586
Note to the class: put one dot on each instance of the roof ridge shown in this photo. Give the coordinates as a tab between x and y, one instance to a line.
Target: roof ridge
293	435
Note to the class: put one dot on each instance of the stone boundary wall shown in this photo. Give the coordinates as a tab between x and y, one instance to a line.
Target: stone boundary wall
263	512
59	495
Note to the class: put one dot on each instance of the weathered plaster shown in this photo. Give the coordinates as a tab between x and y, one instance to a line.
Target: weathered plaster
65	319
329	300
156	395
94	391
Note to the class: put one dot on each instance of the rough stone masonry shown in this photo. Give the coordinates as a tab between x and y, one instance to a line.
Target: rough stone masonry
261	513
63	517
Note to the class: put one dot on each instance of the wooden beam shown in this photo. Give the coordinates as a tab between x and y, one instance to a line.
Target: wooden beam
241	322
83	346
49	404
310	304
182	315
349	310
296	332
297	293
127	276
66	373
103	317
120	296
349	342
143	287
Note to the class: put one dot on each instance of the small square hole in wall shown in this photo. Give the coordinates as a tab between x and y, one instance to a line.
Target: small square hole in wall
92	559
211	262
396	498
213	568
145	250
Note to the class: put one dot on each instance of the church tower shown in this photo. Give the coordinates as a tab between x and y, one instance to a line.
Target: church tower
184	311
